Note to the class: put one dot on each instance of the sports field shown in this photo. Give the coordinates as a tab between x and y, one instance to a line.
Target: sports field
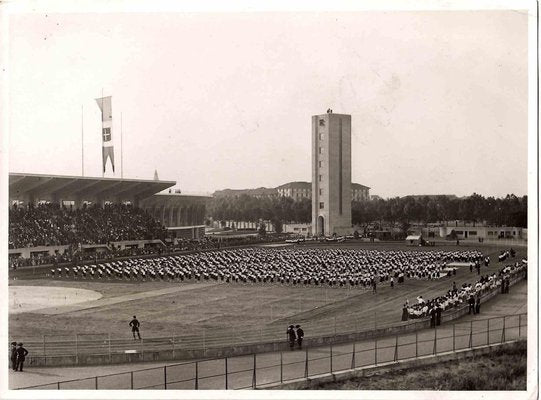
197	308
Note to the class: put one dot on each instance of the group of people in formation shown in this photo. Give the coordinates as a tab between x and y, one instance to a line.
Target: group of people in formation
308	266
17	355
467	294
295	334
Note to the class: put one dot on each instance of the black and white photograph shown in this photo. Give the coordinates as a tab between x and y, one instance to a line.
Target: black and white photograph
301	200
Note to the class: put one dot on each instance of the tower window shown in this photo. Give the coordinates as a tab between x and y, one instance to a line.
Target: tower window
321	122
321	205
321	136
320	164
320	178
320	192
320	150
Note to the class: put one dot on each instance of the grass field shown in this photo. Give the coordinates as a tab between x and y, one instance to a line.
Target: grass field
264	307
503	369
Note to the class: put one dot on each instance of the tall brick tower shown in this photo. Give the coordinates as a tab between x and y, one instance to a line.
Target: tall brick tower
331	174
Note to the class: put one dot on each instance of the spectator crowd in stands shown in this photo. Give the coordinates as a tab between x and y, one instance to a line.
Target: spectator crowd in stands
51	224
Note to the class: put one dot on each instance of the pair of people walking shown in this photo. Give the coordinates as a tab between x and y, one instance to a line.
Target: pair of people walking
17	356
295	334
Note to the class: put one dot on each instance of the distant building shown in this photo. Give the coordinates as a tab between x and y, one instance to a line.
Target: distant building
303	190
359	192
296	190
463	232
259	192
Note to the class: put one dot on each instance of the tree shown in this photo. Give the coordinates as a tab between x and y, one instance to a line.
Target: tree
262	229
277	224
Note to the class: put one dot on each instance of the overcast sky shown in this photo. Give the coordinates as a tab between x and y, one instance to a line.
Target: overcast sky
438	99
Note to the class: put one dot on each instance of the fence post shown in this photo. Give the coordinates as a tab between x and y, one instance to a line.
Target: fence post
254	378
416	343
226	380
57	385
204	340
396	348
503	330
471	335
453	337
109	346
435	338
519	324
305	363
197	375
376	351
142	350
131	380
281	368
353	357
173	344
488	331
96	383
335	326
76	348
165	377
45	353
331	358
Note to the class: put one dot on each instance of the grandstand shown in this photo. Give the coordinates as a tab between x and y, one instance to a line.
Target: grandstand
53	214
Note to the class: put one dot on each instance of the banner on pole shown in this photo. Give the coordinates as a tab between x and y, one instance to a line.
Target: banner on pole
107	149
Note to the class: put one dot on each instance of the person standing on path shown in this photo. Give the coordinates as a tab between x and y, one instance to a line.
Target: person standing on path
471	303
405	313
13	356
291	336
438	314
300	335
21	355
478	305
134	323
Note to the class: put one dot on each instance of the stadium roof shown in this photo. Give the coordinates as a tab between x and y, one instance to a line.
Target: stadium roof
36	185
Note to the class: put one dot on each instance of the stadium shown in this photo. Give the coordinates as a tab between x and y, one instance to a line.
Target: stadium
121	282
200	299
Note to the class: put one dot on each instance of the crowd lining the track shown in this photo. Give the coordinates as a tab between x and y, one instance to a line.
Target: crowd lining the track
467	294
294	266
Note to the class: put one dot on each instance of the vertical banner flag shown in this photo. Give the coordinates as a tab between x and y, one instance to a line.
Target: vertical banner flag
107	150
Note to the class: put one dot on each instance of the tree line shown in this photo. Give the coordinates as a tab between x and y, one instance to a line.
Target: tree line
509	210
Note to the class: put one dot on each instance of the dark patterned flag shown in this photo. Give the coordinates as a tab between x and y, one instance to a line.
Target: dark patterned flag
106	106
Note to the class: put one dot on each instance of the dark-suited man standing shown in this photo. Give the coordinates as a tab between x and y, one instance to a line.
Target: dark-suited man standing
300	335
21	355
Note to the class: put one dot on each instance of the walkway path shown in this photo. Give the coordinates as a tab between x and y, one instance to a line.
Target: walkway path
240	369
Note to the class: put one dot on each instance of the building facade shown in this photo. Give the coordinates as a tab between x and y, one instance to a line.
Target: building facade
360	192
303	190
260	193
331	174
296	190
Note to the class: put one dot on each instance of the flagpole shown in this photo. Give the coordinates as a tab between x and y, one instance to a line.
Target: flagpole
102	143
121	151
82	145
